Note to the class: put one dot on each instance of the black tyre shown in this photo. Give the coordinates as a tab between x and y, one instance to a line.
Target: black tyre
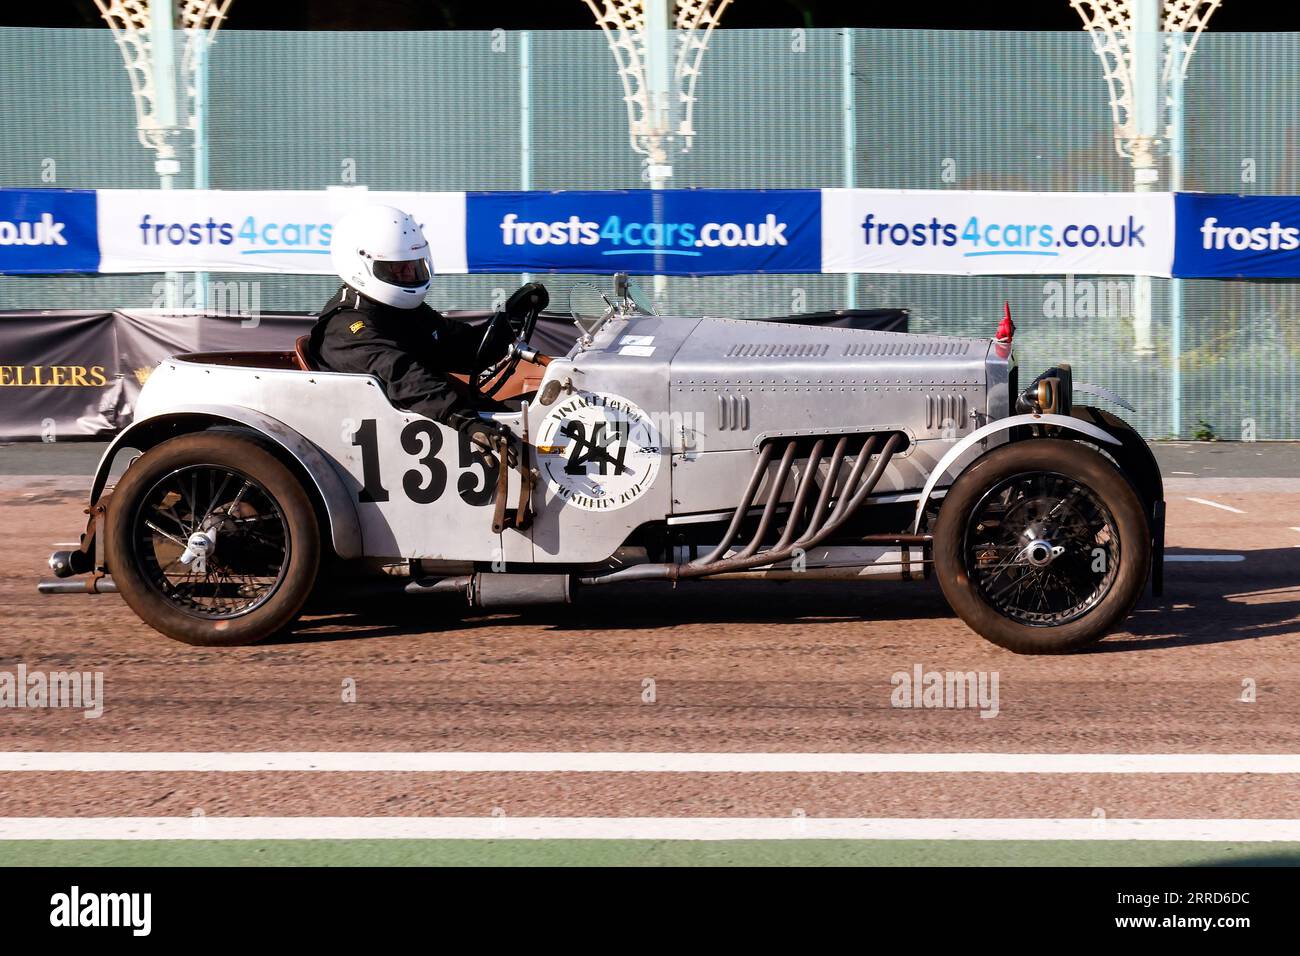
212	540
1042	546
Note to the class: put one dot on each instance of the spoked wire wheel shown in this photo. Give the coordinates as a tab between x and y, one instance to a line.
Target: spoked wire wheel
1042	548
212	540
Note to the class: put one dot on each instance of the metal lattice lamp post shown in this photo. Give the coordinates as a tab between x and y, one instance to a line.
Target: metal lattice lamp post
1145	47
145	31
658	46
658	80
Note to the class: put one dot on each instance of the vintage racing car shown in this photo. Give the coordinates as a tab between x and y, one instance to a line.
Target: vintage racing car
659	449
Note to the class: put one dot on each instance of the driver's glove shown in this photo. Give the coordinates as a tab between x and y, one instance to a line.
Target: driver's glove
487	435
502	337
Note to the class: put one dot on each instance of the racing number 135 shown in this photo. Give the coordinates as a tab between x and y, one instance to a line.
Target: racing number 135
426	483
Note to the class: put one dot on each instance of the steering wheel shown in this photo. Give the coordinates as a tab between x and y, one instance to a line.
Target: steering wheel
520	311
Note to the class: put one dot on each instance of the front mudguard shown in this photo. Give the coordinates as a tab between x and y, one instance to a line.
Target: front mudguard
997	431
1139	466
1114	436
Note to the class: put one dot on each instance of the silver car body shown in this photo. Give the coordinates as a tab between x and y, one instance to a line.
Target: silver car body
685	403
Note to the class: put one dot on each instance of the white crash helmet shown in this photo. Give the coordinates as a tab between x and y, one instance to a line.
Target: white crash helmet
381	252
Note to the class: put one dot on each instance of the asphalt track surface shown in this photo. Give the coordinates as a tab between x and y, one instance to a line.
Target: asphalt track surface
735	668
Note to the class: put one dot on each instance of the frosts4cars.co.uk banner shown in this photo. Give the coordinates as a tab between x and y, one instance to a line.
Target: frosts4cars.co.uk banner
150	230
996	233
1226	237
48	231
685	232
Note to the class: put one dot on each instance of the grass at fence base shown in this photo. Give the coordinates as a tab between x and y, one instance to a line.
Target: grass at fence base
642	853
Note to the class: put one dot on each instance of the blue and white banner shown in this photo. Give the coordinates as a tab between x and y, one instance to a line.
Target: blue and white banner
677	232
672	232
997	233
1237	236
48	231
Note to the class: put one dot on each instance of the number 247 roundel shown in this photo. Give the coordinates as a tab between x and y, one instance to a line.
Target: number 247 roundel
597	451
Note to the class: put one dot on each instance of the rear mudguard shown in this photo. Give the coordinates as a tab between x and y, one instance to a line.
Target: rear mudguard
327	485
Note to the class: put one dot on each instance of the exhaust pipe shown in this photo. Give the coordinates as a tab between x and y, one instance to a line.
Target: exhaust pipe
99	584
65	564
485	590
845	564
822	526
456	585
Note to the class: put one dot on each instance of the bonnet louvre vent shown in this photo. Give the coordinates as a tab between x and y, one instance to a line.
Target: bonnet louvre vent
772	350
945	411
906	349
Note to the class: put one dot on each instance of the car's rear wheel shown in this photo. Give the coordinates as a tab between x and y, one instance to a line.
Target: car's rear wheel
212	540
1042	546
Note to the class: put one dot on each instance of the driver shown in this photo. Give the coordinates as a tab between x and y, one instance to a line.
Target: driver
378	323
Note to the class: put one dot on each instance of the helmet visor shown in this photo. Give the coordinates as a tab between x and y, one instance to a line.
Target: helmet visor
405	273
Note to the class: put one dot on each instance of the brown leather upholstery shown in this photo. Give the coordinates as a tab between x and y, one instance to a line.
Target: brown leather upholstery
302	356
524	379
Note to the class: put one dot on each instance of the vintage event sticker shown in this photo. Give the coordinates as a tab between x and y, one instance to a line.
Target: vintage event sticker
597	451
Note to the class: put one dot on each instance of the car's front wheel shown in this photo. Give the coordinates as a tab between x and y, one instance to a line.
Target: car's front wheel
1042	546
212	540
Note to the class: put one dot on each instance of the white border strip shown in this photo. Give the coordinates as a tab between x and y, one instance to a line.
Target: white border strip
456	762
638	828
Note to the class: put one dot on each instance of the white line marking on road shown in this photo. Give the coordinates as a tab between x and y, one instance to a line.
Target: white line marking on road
634	762
1204	558
639	828
1190	474
1215	504
1295	529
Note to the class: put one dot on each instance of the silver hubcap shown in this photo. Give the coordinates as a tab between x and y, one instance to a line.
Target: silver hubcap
1040	552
